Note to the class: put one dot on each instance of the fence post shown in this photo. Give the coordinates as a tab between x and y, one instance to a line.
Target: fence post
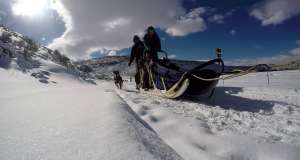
268	78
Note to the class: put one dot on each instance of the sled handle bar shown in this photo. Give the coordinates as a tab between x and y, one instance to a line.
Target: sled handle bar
165	53
221	62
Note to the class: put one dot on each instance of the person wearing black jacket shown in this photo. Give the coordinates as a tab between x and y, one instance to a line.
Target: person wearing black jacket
137	54
153	44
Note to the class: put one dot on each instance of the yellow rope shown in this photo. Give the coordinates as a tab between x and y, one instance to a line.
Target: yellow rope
174	92
242	73
163	82
150	75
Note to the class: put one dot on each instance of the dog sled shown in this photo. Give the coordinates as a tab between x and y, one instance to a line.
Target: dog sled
173	79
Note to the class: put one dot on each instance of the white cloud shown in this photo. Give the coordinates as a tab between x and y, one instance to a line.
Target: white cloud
186	26
274	12
217	18
116	23
29	8
172	56
231	12
3	13
110	24
189	23
293	54
233	32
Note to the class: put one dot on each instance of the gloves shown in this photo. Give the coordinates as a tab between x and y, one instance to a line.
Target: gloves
146	48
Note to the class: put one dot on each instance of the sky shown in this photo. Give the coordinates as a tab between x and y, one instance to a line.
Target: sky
248	31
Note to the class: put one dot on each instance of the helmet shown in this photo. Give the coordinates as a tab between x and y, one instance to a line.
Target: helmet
136	38
150	28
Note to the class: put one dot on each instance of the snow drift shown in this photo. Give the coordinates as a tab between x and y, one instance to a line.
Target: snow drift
51	110
245	119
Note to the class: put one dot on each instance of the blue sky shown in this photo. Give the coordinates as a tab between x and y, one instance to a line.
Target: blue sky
251	39
244	29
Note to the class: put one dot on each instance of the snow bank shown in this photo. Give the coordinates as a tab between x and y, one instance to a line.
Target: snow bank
246	119
1	31
71	120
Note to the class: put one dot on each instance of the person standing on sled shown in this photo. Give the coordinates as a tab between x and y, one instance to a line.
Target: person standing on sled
153	46
137	54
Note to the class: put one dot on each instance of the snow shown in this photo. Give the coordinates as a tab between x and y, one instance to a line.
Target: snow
1	31
49	111
16	39
245	119
70	119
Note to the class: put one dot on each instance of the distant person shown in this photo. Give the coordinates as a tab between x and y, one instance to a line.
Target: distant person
153	44
137	54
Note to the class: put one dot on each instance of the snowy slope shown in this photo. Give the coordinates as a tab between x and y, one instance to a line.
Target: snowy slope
21	53
246	119
51	110
106	65
70	119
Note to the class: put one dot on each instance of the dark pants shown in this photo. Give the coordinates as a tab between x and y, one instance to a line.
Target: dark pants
145	78
150	58
138	76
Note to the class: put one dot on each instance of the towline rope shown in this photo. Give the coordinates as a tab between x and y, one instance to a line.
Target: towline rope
242	73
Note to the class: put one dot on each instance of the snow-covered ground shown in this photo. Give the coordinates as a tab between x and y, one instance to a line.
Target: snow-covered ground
53	115
48	111
245	119
51	110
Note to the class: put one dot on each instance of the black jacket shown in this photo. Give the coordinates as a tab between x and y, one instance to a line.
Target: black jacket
153	43
137	53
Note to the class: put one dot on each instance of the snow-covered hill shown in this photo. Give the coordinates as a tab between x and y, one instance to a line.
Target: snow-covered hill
295	64
21	53
106	65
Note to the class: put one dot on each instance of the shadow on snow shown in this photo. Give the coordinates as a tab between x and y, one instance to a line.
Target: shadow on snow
226	98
